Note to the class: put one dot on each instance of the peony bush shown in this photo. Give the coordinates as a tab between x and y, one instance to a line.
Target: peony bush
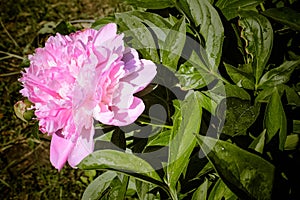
187	99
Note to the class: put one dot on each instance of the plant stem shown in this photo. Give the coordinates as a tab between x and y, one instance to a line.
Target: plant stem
12	55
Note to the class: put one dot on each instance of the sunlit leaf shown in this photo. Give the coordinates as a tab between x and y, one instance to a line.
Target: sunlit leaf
275	119
96	188
240	77
206	102
189	77
139	36
182	140
292	142
173	46
258	35
121	162
201	192
248	175
278	75
221	191
258	143
160	139
203	14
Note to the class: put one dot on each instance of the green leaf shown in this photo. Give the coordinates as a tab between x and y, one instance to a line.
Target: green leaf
173	46
292	142
221	91
189	77
258	143
239	115
278	75
200	65
121	162
102	22
123	187
240	77
275	119
206	102
221	191
285	15
231	9
159	25
201	192
151	4
182	140
161	139
140	36
248	175
96	189
143	190
203	14
258	35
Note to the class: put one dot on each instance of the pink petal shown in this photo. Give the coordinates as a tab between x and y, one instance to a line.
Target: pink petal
141	72
60	149
107	32
128	116
84	146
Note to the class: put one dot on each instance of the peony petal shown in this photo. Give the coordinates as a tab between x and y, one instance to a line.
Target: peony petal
60	149
141	73
128	116
84	146
107	32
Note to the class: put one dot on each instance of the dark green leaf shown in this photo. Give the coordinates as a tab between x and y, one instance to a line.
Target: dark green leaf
239	115
286	16
119	161
139	35
96	188
296	126
258	35
275	120
278	75
202	13
182	140
248	175
231	9
240	77
221	191
173	46
151	4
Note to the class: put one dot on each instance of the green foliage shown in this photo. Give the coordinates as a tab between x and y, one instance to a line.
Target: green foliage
238	100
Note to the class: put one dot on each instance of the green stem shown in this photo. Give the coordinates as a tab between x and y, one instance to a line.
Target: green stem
262	7
156	125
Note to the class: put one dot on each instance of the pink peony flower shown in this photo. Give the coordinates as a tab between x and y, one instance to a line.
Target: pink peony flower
76	79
